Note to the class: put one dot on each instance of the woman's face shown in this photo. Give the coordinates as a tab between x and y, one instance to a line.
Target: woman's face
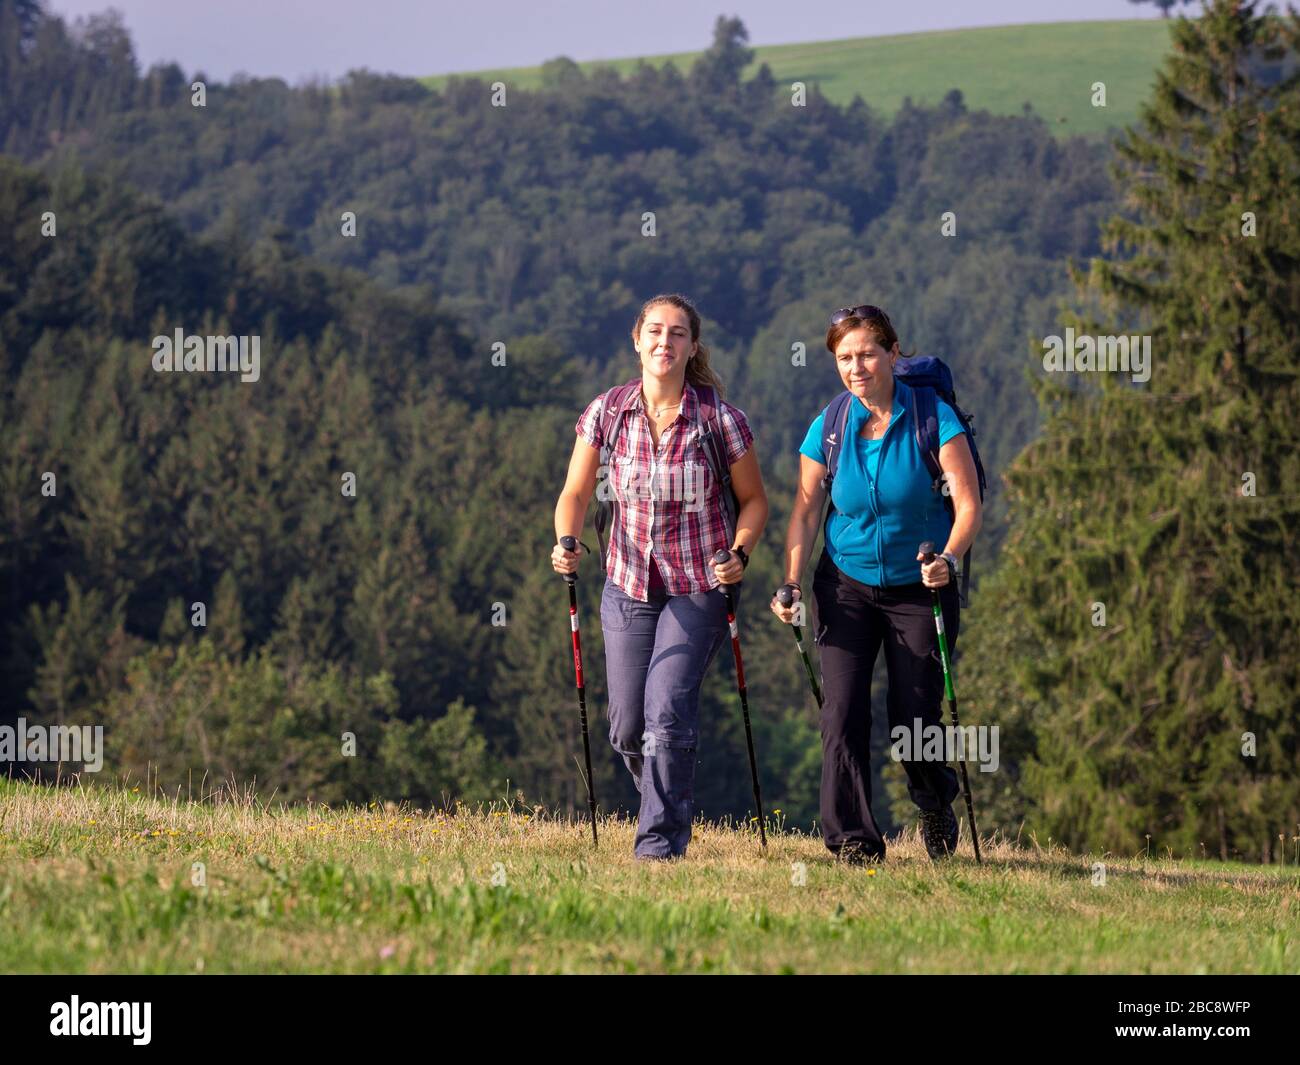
866	368
664	343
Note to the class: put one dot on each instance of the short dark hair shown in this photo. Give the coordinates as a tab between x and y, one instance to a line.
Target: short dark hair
880	327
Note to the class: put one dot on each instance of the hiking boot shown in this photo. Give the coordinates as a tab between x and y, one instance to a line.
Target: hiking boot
939	830
855	853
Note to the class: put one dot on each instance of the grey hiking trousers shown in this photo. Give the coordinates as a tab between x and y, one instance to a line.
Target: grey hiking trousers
656	656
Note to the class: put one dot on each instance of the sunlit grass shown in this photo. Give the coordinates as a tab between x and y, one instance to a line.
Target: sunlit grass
110	879
1053	66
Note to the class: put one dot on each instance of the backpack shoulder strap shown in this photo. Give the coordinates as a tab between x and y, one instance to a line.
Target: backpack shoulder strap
924	409
611	420
708	416
611	413
835	420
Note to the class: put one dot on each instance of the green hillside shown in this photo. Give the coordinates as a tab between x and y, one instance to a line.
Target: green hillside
1053	66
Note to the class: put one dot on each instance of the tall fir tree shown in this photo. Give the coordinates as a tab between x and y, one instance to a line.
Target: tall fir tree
1148	584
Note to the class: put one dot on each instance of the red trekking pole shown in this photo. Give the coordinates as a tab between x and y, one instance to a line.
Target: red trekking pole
570	543
720	558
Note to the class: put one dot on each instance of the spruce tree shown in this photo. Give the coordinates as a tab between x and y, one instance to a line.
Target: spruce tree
1147	588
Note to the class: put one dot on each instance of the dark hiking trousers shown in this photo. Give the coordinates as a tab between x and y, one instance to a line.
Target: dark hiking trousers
656	655
853	621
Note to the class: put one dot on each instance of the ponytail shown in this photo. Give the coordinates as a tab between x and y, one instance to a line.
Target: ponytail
700	374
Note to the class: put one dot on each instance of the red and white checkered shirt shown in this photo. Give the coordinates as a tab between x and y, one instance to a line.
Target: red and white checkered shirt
667	500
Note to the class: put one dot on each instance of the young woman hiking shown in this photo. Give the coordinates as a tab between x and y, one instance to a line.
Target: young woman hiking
662	611
870	586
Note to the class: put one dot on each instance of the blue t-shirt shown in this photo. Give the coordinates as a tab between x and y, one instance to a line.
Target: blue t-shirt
885	506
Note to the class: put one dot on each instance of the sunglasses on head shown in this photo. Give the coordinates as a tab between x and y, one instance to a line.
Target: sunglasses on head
865	311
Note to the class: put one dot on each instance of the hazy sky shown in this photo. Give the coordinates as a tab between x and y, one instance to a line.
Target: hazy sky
294	39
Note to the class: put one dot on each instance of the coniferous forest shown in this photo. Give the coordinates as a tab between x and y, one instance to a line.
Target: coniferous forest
231	575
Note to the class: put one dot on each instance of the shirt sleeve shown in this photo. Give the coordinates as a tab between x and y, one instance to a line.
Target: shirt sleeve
949	424
588	426
812	441
736	433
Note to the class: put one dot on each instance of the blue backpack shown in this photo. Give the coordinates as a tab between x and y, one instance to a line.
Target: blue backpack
929	380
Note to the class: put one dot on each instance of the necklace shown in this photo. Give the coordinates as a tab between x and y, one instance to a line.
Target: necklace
659	410
874	431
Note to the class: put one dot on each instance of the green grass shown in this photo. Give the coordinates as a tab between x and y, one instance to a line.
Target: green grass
103	880
1052	66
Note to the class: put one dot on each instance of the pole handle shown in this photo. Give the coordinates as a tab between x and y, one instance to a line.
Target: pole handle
569	543
720	557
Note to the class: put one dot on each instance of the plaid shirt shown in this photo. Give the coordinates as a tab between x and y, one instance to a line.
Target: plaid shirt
666	500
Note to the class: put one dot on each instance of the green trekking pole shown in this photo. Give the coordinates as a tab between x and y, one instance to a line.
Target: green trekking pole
928	553
785	596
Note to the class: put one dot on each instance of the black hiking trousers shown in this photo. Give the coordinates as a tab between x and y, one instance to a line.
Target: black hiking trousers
853	621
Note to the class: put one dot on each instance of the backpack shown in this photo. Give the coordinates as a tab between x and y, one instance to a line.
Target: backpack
708	425
929	380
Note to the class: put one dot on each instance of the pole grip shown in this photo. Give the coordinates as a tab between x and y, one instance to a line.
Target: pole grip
569	543
719	558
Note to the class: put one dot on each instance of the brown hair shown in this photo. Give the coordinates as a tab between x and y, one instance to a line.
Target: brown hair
879	326
698	371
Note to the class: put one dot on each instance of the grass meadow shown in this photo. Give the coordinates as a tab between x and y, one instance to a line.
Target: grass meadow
111	879
1052	66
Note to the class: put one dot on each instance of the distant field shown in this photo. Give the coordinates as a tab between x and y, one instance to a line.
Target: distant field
1052	66
110	880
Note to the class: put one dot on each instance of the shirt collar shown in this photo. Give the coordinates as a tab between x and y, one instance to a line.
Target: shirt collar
686	410
901	392
689	402
900	403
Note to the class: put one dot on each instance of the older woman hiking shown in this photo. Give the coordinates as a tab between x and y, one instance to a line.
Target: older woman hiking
662	610
870	585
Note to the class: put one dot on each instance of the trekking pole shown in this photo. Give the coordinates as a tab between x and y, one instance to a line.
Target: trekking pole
785	596
927	550
570	543
719	558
